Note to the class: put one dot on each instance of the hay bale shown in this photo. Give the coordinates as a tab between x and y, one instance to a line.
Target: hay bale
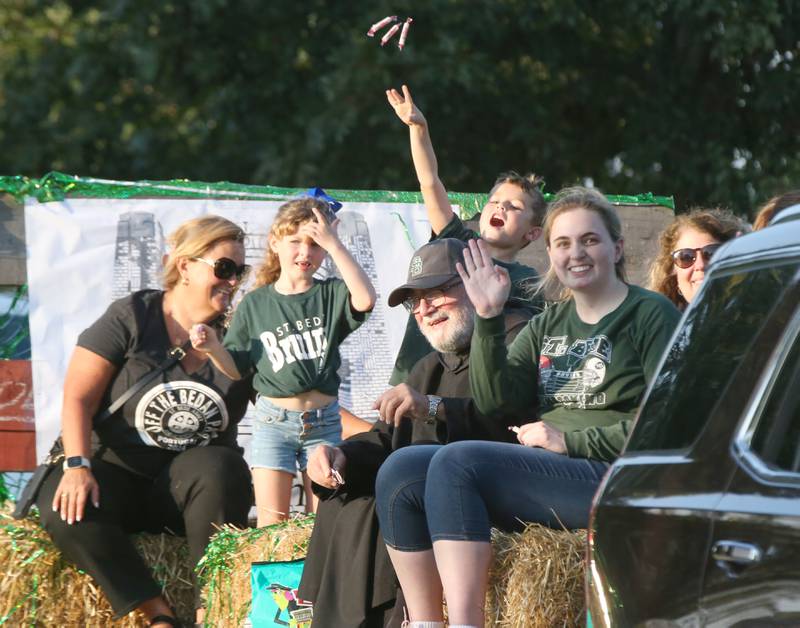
537	579
38	587
225	568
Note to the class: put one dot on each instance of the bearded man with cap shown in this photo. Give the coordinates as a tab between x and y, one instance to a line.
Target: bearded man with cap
348	575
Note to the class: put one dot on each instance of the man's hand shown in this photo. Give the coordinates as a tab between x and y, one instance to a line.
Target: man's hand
322	463
405	108
539	434
400	401
487	285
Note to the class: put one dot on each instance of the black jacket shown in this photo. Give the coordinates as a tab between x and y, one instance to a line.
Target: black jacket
348	575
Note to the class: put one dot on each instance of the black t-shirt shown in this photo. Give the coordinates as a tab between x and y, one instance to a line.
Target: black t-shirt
174	412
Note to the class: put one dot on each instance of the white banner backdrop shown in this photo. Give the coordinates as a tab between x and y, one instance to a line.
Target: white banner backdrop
84	253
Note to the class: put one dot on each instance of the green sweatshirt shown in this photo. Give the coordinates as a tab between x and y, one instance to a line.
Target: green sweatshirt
590	378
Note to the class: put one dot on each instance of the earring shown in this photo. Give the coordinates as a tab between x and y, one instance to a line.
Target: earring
185	281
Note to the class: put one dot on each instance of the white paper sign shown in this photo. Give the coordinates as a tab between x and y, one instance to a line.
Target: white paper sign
84	253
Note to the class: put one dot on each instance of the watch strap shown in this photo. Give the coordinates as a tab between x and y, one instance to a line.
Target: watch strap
433	406
76	462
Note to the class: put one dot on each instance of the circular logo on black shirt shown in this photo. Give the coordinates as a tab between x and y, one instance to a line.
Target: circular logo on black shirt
179	415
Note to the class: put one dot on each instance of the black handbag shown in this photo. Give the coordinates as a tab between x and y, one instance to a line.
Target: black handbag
56	453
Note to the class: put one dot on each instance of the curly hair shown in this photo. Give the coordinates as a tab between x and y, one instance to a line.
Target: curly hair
720	224
194	238
578	197
773	206
290	216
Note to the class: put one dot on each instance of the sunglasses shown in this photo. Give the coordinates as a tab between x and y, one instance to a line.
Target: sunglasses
434	298
225	268
685	258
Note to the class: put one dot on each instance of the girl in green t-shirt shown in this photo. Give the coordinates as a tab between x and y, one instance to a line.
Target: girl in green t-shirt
288	331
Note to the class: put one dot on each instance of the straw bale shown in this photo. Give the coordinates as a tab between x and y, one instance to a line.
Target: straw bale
38	587
536	580
226	566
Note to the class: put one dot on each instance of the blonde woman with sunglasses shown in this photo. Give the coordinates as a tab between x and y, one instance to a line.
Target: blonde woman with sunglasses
168	457
686	248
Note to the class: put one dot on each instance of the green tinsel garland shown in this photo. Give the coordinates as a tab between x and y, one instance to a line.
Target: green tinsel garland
216	566
56	186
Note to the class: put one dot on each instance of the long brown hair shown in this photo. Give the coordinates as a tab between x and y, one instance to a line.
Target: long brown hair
720	224
578	197
290	216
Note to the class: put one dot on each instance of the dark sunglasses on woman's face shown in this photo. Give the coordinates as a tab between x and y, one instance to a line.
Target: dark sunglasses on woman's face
225	268
684	258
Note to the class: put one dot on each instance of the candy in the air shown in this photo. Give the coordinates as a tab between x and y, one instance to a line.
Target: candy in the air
379	25
389	34
404	33
391	19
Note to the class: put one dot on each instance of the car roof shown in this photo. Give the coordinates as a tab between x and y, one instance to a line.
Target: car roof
789	213
781	239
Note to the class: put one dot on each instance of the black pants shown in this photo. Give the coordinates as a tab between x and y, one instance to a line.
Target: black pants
201	487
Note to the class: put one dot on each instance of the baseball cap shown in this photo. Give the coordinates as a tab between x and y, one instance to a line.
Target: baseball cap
431	266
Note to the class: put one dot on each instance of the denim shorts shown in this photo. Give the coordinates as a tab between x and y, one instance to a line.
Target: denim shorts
282	439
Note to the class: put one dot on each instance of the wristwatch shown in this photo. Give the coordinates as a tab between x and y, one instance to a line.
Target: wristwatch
76	462
433	406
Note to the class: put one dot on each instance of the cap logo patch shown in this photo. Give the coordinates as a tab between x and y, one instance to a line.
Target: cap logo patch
416	266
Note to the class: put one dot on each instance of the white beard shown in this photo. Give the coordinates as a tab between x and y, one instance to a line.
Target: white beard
455	333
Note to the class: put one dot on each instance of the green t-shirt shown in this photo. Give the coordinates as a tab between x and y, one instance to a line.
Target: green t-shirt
524	280
585	380
292	340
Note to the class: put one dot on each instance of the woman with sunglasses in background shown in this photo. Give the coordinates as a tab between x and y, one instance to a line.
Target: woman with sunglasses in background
287	332
686	248
168	458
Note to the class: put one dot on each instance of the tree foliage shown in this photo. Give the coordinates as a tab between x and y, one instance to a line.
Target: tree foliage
692	98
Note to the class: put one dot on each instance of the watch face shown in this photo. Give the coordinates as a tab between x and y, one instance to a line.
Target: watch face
74	461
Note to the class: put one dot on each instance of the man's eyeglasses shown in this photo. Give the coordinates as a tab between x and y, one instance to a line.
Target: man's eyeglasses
684	258
434	298
225	268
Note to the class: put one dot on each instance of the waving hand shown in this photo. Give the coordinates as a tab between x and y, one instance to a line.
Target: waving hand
487	285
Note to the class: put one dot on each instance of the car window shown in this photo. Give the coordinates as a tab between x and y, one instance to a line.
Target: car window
707	351
776	439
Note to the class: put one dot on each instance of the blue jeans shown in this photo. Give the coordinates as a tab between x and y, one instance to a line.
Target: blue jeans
428	493
282	439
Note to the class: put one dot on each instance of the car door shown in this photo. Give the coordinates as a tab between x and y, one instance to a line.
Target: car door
753	572
653	520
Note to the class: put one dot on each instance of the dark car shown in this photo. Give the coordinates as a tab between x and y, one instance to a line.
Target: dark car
698	523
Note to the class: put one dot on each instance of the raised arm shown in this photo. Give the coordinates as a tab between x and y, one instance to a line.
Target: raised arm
362	292
440	212
503	380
